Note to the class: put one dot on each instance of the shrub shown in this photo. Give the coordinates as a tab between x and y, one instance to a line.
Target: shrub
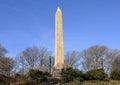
33	74
38	76
98	74
47	74
70	74
115	75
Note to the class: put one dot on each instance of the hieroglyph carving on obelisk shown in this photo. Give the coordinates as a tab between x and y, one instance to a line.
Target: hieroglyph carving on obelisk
59	48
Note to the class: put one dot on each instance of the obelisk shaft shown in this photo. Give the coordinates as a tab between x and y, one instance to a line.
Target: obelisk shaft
59	48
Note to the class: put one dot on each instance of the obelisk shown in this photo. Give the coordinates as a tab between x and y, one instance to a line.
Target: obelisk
59	48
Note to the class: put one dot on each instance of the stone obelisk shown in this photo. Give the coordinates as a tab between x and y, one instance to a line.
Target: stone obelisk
59	48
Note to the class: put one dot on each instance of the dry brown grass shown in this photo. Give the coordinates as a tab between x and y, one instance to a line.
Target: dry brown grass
112	82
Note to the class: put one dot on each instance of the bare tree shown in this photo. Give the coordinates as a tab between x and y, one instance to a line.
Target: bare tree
111	55
43	54
33	58
116	64
22	66
6	65
115	60
3	51
28	58
72	59
94	57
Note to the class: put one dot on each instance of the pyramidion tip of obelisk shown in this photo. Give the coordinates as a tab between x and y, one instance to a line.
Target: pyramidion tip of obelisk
58	9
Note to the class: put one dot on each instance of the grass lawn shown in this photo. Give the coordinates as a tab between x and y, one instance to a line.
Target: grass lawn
112	82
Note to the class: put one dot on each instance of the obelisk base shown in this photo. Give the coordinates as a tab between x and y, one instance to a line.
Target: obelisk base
56	74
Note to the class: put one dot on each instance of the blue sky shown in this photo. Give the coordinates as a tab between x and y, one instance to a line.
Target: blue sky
27	23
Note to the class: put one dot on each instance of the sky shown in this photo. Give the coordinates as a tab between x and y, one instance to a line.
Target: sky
28	23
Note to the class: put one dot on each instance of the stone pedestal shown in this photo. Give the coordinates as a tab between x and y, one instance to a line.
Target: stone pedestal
56	74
